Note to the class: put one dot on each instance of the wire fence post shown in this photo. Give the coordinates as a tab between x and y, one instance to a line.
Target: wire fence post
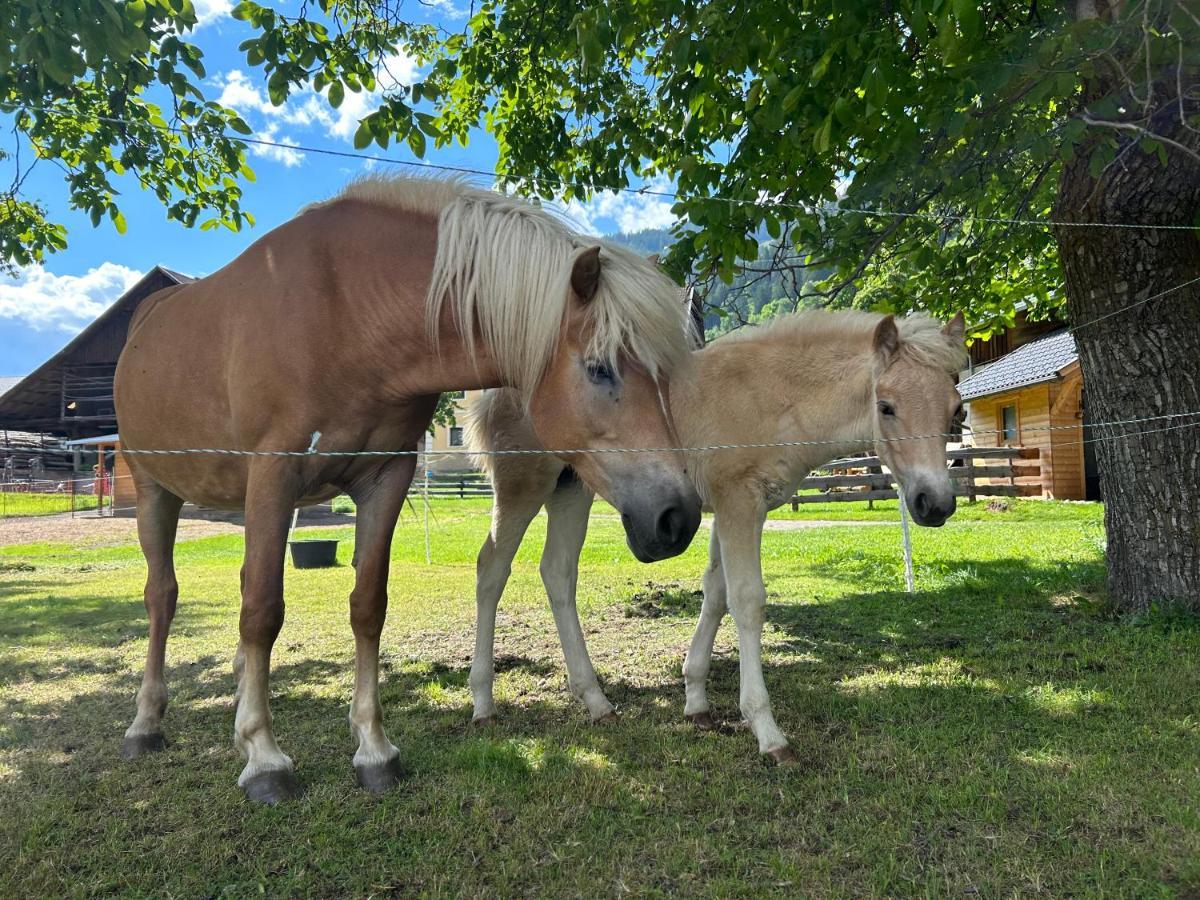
425	492
907	539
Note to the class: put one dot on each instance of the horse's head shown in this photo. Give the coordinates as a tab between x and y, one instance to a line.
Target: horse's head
916	405
605	388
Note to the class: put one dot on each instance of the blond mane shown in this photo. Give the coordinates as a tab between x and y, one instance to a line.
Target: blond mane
505	266
921	338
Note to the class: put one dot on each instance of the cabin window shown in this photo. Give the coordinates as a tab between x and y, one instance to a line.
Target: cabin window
456	436
1008	424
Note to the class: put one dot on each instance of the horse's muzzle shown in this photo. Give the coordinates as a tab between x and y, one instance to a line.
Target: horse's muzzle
661	530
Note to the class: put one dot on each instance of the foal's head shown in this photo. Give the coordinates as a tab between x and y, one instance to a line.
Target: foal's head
605	388
916	405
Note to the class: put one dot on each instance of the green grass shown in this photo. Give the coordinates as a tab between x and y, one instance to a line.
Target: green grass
14	504
995	733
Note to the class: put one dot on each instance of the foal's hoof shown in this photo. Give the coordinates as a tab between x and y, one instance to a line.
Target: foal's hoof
273	786
136	745
483	721
784	756
703	721
610	716
380	777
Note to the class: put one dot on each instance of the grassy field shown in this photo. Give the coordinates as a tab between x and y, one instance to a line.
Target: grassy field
996	733
13	503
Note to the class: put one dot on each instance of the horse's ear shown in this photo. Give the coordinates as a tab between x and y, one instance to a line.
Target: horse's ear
887	339
956	329
653	258
585	274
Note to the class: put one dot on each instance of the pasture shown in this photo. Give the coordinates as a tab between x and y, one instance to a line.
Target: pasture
996	733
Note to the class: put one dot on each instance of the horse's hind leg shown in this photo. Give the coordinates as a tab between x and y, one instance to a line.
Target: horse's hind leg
270	499
379	498
157	519
566	527
517	501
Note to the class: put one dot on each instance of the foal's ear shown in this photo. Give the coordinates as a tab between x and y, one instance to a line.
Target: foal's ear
585	274
956	329
653	259
887	339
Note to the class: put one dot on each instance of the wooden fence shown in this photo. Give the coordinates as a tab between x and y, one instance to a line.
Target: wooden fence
456	484
863	478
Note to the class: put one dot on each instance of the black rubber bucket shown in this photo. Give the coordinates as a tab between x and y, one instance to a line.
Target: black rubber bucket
314	554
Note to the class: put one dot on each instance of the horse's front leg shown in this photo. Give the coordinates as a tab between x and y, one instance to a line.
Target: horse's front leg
566	528
699	655
270	498
741	544
378	498
513	508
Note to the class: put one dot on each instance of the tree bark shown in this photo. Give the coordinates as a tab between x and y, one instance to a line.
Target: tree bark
1142	362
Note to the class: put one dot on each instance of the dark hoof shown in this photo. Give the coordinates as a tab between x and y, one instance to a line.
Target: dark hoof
610	716
483	721
703	721
140	744
380	778
784	756
271	787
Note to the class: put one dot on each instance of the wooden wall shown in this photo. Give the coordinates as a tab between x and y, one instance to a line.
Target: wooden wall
1039	407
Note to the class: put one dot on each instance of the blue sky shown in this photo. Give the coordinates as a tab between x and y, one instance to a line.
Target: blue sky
42	308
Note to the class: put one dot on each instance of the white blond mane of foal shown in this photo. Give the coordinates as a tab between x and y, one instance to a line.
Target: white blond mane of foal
505	265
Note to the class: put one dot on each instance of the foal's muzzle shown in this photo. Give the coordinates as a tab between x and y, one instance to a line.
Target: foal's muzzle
931	509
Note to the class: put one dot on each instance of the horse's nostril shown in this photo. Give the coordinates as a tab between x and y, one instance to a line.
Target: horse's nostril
921	504
671	524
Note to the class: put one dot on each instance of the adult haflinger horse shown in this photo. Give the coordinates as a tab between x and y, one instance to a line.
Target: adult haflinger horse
846	377
349	320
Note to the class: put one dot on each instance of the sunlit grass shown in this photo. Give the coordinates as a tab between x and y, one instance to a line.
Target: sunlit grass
996	733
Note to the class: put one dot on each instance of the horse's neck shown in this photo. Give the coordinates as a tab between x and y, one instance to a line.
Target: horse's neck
763	393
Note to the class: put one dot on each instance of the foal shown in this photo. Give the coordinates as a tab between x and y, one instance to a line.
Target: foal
840	378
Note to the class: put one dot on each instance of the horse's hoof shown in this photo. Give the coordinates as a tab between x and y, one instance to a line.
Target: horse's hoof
610	716
273	786
703	721
136	745
483	721
784	756
380	777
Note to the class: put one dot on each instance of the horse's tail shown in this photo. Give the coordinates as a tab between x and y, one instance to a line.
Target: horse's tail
492	423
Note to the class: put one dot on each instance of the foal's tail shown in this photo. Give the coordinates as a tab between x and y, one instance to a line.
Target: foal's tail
497	421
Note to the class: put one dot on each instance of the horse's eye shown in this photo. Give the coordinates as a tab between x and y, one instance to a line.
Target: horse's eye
600	373
886	409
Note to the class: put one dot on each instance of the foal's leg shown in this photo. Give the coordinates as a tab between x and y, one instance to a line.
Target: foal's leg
566	527
699	655
270	499
512	511
379	499
157	519
741	545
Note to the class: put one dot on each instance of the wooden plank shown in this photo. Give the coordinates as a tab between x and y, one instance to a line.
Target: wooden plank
824	482
981	471
843	497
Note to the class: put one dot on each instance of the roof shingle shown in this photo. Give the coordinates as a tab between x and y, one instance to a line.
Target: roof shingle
1032	363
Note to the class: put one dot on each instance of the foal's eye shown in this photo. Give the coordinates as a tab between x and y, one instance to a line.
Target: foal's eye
600	373
886	409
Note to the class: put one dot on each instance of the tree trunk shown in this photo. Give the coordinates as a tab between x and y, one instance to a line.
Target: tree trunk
1142	362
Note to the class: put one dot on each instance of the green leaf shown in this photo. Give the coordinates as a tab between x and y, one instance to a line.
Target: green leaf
363	136
337	94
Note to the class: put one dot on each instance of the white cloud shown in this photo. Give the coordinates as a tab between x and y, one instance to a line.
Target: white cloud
44	301
212	11
307	109
626	210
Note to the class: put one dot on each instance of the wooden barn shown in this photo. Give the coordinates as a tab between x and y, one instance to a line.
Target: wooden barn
70	396
1022	384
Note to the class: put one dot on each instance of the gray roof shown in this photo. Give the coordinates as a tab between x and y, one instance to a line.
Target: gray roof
1032	363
